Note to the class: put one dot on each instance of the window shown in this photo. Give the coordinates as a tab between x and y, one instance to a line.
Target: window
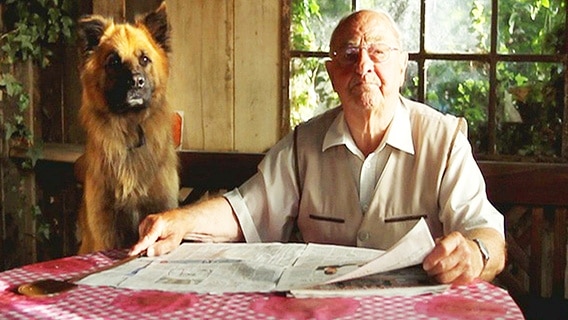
501	64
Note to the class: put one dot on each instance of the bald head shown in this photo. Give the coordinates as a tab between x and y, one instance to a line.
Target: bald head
383	28
367	66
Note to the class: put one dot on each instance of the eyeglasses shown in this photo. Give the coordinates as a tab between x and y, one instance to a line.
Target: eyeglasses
378	52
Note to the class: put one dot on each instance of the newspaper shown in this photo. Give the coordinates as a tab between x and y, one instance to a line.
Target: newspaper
300	269
401	282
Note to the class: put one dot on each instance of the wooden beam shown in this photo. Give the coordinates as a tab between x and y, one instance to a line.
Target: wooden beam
526	183
559	256
115	9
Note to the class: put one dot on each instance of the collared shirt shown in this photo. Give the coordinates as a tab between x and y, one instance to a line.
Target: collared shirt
367	170
269	203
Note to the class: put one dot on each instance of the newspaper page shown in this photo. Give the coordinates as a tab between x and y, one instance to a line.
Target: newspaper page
205	268
408	251
398	271
266	267
320	262
401	282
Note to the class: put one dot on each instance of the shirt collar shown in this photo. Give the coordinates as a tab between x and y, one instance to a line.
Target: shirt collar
338	134
398	135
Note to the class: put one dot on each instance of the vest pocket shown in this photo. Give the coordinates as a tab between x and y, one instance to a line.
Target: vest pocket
405	218
326	218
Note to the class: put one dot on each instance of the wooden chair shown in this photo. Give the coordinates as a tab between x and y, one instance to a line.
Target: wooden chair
534	200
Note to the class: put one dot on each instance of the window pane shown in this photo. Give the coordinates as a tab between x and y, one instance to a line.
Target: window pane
461	88
458	26
531	27
410	87
530	109
310	89
406	14
313	22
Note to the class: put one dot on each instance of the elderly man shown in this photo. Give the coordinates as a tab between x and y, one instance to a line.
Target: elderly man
361	174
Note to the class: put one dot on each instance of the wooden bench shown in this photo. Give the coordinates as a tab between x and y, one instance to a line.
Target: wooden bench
202	172
534	199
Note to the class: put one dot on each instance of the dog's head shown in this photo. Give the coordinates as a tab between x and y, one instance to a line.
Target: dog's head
126	63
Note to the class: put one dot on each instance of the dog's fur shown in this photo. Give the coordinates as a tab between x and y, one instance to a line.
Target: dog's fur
130	165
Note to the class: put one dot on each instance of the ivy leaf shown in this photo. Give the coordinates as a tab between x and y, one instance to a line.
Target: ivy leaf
545	3
67	23
9	130
13	87
35	152
23	102
43	228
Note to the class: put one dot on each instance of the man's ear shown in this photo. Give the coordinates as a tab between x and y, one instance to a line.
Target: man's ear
403	67
329	66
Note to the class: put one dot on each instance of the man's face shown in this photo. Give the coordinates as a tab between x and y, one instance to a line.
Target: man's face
368	66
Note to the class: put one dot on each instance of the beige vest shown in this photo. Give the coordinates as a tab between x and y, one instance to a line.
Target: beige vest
407	189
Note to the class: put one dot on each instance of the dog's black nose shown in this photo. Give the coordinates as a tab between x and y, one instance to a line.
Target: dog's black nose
138	80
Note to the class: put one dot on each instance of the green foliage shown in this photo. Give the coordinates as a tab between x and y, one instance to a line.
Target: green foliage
311	90
531	26
312	24
303	11
528	27
535	26
304	71
30	29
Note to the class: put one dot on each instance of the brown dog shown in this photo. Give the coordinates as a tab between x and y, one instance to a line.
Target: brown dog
130	165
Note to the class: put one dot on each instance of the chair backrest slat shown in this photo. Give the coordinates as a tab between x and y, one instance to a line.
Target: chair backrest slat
534	199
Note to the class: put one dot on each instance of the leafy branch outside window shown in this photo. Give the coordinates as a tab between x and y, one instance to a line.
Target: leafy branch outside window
29	30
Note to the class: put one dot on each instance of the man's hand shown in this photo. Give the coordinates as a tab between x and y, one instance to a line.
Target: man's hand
455	259
212	220
160	233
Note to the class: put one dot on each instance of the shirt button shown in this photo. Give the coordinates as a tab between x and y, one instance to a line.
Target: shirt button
363	236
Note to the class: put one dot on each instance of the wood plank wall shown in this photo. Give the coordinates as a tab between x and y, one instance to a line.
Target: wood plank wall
225	73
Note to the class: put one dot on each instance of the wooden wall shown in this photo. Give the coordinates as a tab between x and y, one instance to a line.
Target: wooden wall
226	72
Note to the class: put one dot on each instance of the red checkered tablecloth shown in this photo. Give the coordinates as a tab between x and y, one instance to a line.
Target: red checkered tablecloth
479	300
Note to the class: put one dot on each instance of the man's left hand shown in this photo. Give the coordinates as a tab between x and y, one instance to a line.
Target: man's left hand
455	259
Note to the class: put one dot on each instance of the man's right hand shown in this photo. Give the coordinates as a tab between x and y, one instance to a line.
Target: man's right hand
161	233
212	220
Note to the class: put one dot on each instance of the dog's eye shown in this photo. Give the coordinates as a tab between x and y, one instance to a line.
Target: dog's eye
113	60
144	60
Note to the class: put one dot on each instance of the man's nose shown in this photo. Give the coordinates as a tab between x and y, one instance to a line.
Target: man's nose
364	64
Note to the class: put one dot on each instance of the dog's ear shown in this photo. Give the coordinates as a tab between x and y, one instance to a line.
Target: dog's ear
90	29
157	24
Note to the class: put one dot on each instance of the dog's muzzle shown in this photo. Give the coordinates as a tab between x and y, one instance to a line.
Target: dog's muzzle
131	93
